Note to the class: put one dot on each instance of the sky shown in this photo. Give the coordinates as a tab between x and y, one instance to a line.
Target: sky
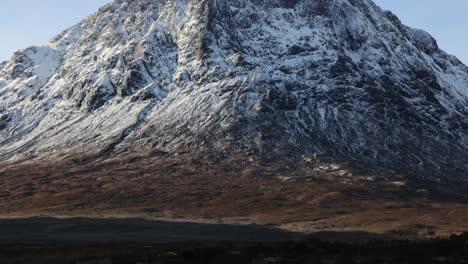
25	23
447	21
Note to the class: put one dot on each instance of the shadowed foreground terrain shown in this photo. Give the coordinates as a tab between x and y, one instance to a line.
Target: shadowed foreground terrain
130	241
44	230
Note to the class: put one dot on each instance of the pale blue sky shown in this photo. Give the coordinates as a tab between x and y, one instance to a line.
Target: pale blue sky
446	20
33	22
24	23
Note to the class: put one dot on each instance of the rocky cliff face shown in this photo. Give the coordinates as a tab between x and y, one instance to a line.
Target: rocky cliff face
274	78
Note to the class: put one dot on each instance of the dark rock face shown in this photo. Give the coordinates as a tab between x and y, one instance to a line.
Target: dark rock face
272	78
4	118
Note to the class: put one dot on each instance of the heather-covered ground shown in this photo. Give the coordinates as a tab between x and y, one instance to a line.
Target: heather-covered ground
186	210
287	194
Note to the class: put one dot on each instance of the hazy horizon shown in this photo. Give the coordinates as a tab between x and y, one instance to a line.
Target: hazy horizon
30	22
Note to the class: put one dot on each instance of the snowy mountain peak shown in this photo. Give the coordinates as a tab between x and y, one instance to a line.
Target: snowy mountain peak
269	78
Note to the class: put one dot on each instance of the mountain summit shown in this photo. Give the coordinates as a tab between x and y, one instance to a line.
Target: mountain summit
270	79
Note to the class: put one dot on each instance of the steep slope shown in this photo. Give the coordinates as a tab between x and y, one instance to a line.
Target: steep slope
270	79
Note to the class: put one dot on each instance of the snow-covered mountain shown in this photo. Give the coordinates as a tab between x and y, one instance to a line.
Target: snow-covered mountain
277	78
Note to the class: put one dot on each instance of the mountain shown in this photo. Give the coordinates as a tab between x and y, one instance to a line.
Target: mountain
265	79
